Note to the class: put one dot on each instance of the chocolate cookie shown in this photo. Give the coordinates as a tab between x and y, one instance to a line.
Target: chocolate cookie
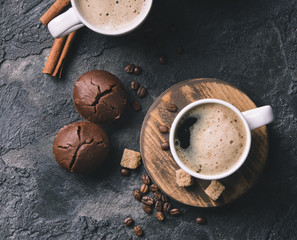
81	147
99	96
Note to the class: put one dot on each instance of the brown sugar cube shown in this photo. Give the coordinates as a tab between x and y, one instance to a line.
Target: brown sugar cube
214	190
130	159
183	179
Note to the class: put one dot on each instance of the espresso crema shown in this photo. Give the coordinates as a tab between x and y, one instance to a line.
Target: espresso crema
111	14
210	139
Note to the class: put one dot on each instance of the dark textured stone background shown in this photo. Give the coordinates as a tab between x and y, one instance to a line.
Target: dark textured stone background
251	44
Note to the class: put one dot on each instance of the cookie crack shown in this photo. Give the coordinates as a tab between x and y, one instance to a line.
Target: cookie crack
78	132
93	83
73	161
65	147
100	95
113	109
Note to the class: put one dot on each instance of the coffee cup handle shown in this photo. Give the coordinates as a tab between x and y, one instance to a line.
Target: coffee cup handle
64	24
259	116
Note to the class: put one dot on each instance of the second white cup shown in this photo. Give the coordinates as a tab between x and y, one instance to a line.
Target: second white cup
73	19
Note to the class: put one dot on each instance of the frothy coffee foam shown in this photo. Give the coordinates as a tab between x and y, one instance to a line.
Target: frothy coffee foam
217	139
111	14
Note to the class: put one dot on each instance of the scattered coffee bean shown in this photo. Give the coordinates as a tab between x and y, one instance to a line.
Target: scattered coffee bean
137	194
158	195
175	212
179	49
164	198
160	216
154	187
137	70
138	231
141	92
136	106
147	208
144	188
171	107
134	85
145	179
163	129
129	68
158	206
200	220
165	145
125	172
173	28
167	207
162	59
128	221
147	200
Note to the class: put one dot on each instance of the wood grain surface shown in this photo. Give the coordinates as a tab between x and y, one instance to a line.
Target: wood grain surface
160	165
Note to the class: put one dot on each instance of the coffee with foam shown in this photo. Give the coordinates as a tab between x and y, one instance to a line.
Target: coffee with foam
210	139
111	14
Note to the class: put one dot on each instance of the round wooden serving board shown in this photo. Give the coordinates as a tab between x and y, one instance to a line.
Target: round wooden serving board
160	165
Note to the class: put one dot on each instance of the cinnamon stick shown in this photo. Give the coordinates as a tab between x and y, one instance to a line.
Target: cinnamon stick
54	55
59	66
54	11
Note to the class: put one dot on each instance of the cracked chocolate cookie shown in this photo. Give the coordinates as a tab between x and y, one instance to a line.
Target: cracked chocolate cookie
99	96
81	147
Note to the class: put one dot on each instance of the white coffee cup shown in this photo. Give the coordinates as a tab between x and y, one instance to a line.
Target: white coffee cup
72	20
251	119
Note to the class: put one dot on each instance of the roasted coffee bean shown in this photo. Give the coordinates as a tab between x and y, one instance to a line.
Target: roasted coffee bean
137	194
141	92
137	70
179	49
158	195
164	198
154	187
200	220
160	216
134	85
138	231
163	129
125	172
147	208
162	59
145	179
129	68
167	207
128	221
175	212
158	206
171	107
144	188
165	145
173	28
136	106
147	200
